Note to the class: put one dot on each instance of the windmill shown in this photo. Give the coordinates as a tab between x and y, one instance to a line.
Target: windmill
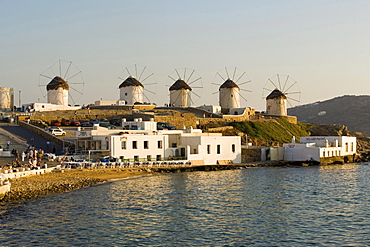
137	83
182	90
279	92
66	83
6	98
229	91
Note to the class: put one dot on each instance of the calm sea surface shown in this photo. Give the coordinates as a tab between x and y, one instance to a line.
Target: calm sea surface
306	206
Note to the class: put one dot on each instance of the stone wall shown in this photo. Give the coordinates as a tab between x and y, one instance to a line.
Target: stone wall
251	154
290	119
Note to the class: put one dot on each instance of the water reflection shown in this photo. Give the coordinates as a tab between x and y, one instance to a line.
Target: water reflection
258	206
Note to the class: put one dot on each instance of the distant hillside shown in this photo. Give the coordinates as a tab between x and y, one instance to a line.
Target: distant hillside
352	111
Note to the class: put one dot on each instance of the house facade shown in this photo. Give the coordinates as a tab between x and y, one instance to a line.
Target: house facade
320	148
142	142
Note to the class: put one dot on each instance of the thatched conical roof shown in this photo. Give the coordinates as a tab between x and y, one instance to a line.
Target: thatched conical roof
180	84
276	94
130	81
56	83
229	84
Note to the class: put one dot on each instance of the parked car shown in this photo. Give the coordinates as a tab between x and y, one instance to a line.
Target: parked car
57	132
116	121
55	123
94	121
75	123
104	120
85	123
164	125
66	122
107	125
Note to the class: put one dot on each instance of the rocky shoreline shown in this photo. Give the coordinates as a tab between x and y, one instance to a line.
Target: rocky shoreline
26	188
31	187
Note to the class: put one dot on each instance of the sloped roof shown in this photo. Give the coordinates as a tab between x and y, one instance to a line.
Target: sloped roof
229	84
130	81
56	83
276	94
180	84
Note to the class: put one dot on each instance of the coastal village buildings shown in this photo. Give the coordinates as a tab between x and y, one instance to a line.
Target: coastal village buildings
319	148
140	141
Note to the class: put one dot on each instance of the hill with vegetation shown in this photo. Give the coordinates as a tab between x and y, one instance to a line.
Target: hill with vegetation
351	111
272	132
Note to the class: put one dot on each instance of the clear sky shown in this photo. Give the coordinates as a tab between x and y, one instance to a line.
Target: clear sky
322	44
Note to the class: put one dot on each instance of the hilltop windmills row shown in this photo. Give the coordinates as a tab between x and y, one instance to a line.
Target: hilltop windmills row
185	86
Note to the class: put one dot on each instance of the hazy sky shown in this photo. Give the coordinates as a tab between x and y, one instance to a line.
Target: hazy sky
324	45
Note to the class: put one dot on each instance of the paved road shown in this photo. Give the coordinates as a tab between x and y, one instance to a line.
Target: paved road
27	135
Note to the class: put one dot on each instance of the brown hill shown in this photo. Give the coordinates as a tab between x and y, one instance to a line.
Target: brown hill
351	111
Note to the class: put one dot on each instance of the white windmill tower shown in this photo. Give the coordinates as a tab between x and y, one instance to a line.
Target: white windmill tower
229	91
286	92
58	89
181	92
6	98
132	89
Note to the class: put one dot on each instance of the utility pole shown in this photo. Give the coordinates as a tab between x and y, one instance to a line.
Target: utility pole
19	99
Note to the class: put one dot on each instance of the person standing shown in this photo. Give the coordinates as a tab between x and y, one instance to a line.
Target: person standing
48	144
23	155
8	144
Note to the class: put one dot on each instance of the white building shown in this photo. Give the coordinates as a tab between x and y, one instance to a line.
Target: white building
6	98
276	103
131	91
47	107
109	102
320	147
211	108
148	144
57	91
180	94
229	95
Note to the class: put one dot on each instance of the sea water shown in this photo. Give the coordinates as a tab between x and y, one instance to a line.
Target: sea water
305	206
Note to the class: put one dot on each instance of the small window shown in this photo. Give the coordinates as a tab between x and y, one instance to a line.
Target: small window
136	158
218	149
208	149
159	157
160	144
123	145
125	94
346	146
233	148
134	144
174	145
146	144
149	158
